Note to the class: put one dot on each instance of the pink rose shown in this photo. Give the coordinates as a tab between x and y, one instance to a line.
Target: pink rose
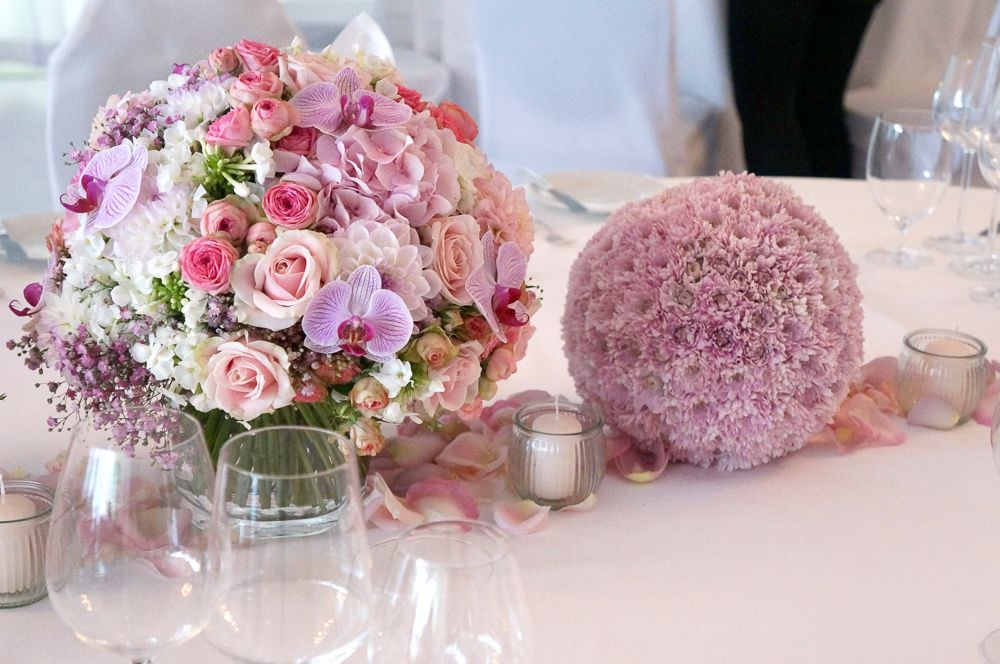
273	289
411	98
247	379
272	118
225	219
300	141
369	396
231	130
223	60
456	251
501	364
367	437
252	86
257	56
435	350
206	263
291	205
304	69
260	236
449	115
460	378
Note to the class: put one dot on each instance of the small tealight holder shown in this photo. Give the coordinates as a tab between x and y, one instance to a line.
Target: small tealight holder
557	456
25	508
940	377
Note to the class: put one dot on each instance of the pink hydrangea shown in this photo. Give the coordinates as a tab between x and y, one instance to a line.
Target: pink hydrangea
722	317
503	209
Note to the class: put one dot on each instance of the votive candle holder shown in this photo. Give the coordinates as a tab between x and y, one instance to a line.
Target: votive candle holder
940	377
557	457
22	546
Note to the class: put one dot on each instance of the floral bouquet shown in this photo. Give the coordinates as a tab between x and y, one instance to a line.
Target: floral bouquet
280	237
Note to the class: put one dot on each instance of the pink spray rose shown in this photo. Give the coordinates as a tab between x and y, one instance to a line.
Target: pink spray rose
367	437
257	56
206	263
273	289
449	115
247	379
300	140
260	236
501	364
231	130
369	396
302	69
435	350
225	219
291	205
457	251
223	60
272	118
460	378
252	86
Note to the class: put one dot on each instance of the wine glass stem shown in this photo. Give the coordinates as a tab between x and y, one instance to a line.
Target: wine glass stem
967	157
144	660
991	232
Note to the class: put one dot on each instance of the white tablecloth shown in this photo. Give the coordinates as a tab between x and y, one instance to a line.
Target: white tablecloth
881	555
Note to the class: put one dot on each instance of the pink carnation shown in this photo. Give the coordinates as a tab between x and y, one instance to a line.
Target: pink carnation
503	209
722	316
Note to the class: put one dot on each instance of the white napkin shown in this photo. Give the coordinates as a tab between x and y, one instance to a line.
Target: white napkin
362	34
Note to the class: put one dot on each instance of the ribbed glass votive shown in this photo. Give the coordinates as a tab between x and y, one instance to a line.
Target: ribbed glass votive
940	377
557	456
25	509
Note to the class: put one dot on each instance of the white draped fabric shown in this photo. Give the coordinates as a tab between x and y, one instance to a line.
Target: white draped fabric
114	48
881	555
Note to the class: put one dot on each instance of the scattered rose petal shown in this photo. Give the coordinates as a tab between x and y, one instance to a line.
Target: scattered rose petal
642	465
520	518
935	412
415	449
585	505
442	499
154	528
470	456
392	513
415	474
991	397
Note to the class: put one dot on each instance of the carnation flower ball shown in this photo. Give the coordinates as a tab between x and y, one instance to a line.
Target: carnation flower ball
721	319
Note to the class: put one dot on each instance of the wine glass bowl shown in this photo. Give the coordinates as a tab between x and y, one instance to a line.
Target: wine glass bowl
908	171
289	556
126	545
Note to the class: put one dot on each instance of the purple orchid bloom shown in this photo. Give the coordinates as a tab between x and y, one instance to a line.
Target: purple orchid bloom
33	298
358	317
495	286
334	106
109	186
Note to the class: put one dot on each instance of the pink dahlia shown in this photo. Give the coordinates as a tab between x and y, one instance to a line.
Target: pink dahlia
503	209
720	318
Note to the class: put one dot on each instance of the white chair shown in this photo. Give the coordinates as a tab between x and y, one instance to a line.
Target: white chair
122	45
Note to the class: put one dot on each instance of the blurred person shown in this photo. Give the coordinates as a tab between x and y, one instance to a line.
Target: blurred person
790	63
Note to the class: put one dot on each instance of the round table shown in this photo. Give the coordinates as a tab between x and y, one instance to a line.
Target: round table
884	554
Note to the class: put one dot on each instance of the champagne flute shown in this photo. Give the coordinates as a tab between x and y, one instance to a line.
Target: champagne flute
288	555
957	109
908	171
126	546
452	595
988	266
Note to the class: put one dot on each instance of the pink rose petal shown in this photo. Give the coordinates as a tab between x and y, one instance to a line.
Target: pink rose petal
520	518
642	466
413	450
470	456
392	513
934	412
402	482
442	499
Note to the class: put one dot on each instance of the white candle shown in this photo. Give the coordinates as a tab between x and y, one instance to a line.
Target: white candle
16	564
949	348
554	449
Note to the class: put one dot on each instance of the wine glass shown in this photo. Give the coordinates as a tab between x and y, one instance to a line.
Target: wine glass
452	594
988	266
127	541
958	106
288	554
908	170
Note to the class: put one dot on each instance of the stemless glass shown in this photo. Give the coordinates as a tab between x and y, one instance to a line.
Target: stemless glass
908	170
452	595
125	566
959	103
288	552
